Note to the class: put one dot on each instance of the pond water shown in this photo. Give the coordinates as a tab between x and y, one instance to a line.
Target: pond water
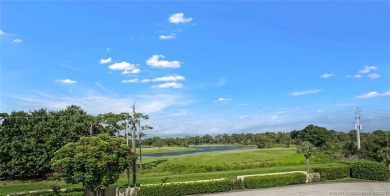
200	149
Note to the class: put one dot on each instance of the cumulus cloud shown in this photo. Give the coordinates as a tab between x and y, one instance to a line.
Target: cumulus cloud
169	78
373	76
155	61
223	100
167	37
367	69
104	61
130	81
327	75
125	67
136	71
168	85
373	94
17	41
306	92
357	76
179	18
66	81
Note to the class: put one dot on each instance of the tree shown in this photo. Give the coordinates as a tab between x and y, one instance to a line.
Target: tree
159	144
263	141
307	149
318	136
29	139
113	123
96	161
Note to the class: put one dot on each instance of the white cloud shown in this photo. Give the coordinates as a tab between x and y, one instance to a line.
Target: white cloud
169	78
123	66
306	92
104	61
2	32
130	81
17	41
98	104
326	75
274	117
66	81
367	69
221	99
155	61
319	111
357	76
373	94
167	37
146	80
168	85
179	18
136	71
373	76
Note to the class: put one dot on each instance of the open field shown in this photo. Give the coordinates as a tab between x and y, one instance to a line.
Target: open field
165	149
228	160
231	164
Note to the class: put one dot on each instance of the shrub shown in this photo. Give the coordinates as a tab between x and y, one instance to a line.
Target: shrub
274	180
314	177
237	184
332	173
370	170
178	189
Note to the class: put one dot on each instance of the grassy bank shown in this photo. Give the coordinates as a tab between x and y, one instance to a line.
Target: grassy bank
229	160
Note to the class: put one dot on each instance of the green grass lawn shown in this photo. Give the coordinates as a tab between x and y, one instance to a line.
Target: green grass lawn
231	156
165	149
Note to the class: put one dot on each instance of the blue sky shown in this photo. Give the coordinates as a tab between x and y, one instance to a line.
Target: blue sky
202	66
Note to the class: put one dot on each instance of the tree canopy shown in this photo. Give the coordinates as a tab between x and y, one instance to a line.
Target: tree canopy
95	161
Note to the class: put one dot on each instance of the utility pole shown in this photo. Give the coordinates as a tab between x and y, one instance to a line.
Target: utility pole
358	126
90	130
127	143
134	128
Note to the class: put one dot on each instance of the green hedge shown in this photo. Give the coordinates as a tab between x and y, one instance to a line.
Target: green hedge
370	170
332	173
274	180
179	189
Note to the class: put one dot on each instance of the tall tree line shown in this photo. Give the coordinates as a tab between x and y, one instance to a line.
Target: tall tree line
28	140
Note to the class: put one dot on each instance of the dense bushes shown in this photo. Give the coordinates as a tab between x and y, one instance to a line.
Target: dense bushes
178	189
370	170
332	173
274	180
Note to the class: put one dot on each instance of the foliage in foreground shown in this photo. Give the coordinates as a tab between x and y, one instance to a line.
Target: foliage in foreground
29	139
332	173
178	189
370	170
274	180
96	162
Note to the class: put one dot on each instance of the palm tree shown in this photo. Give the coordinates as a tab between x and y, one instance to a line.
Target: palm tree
307	149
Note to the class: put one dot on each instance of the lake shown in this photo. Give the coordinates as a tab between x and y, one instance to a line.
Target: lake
200	149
